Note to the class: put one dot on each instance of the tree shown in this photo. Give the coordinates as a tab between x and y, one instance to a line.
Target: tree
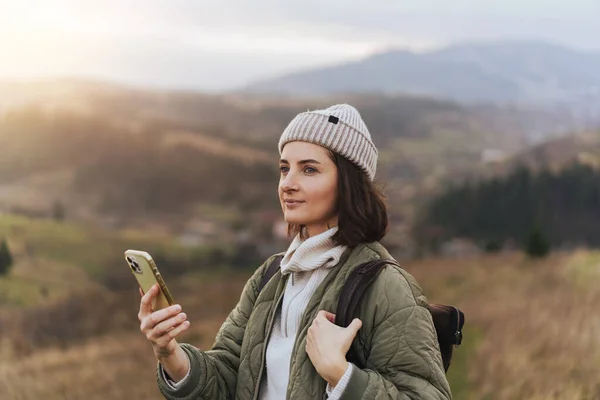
567	201
492	246
537	245
6	260
58	211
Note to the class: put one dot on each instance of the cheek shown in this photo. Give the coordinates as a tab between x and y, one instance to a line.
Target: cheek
326	200
332	201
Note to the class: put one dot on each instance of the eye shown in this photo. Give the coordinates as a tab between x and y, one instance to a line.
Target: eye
310	170
283	169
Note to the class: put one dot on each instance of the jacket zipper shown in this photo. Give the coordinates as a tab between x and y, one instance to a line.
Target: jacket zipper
264	347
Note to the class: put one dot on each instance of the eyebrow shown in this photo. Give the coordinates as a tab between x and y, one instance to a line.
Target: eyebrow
301	162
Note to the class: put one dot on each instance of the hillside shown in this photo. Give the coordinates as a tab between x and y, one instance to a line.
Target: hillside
56	260
552	184
502	72
131	157
98	167
554	154
252	119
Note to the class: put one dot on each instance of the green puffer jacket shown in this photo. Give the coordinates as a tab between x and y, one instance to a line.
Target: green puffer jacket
397	342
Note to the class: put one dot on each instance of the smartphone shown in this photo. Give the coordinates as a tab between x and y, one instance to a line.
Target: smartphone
145	271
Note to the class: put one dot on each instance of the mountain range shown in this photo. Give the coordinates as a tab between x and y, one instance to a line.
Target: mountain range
500	72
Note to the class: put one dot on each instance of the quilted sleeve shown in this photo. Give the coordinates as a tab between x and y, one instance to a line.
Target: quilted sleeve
213	373
403	360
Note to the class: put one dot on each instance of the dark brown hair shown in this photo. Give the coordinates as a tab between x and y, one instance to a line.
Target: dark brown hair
361	208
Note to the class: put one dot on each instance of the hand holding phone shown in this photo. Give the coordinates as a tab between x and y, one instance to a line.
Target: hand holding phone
161	321
161	328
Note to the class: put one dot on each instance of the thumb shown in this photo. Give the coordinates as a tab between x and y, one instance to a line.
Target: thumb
355	325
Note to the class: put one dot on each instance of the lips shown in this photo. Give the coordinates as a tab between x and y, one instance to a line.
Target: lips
292	203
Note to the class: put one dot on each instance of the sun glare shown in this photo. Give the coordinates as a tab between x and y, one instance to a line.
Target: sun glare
37	40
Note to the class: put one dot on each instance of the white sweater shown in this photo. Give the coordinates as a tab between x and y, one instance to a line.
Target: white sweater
308	262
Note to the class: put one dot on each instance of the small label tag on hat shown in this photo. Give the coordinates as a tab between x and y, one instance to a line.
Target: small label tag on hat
333	119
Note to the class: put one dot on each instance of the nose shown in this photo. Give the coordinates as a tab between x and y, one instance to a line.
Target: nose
288	182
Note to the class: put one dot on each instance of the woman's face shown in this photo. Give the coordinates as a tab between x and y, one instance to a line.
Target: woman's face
308	186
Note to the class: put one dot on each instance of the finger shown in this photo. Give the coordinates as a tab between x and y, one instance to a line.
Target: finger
163	327
329	316
355	325
323	315
146	303
141	292
155	318
173	333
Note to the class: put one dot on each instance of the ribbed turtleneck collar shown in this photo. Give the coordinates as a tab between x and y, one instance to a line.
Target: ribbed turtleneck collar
315	252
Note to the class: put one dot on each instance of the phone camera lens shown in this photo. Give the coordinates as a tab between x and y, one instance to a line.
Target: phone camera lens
128	259
136	267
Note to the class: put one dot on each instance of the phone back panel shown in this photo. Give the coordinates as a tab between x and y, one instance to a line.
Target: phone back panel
146	273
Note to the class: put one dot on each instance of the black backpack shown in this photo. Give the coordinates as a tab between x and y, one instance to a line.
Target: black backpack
448	320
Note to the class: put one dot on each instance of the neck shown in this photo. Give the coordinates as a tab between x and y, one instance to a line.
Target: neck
314	230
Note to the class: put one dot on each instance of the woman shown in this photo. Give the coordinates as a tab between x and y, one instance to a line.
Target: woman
281	342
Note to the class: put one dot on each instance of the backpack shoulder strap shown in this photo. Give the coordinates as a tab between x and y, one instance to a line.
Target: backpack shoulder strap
354	288
270	272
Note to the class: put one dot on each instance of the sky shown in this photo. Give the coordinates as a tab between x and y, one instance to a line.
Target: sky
223	44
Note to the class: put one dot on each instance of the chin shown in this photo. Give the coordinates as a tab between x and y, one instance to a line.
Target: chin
295	221
292	219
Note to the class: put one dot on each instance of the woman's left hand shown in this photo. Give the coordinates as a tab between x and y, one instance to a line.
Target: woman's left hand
327	345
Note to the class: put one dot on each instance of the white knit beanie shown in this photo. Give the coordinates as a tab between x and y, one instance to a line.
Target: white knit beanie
338	128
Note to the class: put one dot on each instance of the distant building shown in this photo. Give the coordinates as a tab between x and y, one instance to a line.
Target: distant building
459	247
589	159
492	156
198	232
